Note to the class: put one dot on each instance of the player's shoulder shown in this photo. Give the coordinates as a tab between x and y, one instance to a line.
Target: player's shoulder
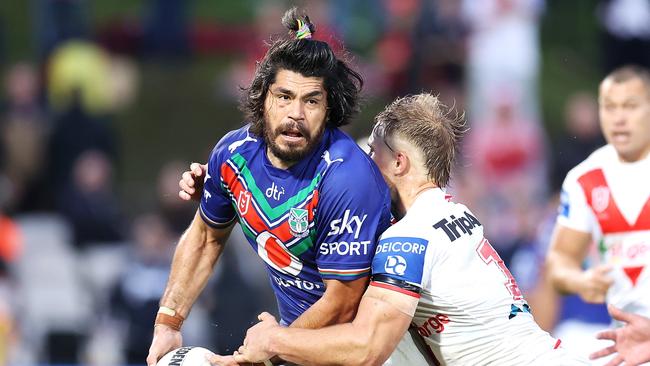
347	164
235	142
598	159
443	219
343	148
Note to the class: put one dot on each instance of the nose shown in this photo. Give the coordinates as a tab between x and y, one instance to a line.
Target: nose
297	110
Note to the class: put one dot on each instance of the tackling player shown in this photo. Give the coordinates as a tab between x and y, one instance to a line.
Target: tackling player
285	177
432	269
606	199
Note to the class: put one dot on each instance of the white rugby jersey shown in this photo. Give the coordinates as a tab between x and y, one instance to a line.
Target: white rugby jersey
611	200
470	310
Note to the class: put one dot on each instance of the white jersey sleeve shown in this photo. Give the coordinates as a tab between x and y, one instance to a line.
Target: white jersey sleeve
574	211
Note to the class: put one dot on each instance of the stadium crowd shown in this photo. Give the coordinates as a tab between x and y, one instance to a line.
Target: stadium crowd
85	245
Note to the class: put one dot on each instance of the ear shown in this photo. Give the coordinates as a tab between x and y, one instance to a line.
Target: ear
402	164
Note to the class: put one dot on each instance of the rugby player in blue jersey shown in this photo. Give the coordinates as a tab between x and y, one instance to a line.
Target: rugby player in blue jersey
317	229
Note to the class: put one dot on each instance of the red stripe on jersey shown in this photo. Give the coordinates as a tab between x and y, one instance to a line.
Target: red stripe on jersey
557	344
602	203
395	288
253	217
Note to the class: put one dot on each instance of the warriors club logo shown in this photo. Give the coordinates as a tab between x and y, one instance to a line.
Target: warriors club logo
299	222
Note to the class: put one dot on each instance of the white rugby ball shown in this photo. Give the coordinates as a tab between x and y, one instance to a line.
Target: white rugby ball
186	356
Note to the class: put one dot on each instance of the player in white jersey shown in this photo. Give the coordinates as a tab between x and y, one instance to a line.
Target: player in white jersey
606	200
432	270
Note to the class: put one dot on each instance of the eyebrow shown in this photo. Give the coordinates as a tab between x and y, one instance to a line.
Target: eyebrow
281	90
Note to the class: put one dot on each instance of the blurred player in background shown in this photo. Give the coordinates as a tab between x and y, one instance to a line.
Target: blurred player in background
606	200
433	268
286	178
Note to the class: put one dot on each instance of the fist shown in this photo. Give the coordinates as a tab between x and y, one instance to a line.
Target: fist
594	284
191	183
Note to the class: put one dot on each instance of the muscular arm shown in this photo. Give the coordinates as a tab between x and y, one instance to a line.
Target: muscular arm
196	254
568	250
380	323
338	305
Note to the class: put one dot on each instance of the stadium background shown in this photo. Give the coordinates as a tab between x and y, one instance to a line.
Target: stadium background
105	103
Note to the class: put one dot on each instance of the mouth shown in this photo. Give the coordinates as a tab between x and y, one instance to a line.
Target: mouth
620	137
292	136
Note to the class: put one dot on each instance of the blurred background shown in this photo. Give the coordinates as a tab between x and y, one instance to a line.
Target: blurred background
105	103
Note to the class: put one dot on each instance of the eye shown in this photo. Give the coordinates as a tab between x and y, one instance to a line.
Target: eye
283	97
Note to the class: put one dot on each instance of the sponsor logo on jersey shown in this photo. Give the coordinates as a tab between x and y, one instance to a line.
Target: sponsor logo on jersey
243	202
401	257
454	226
276	255
299	222
395	264
563	210
406	245
435	323
345	248
274	192
297	283
348	224
600	198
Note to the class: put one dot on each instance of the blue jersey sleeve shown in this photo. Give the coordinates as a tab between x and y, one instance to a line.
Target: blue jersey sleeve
399	264
216	206
353	211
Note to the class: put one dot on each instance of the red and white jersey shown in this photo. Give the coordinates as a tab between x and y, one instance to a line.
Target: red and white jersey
611	200
470	310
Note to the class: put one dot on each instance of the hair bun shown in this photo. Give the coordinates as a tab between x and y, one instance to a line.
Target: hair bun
300	26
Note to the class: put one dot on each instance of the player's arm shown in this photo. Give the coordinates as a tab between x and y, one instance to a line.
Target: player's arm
194	259
383	318
339	304
569	248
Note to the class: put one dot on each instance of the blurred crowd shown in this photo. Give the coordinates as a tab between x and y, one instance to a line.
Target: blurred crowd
81	272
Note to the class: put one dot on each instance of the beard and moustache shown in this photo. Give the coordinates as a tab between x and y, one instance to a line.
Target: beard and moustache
292	153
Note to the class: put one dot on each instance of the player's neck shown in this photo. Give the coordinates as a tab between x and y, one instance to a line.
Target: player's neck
633	158
409	192
277	162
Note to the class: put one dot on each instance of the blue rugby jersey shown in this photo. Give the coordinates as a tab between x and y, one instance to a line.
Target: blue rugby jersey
319	219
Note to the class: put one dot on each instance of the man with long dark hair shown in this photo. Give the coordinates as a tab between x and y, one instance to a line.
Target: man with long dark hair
310	202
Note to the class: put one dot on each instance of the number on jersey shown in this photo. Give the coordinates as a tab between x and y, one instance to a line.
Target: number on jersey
489	255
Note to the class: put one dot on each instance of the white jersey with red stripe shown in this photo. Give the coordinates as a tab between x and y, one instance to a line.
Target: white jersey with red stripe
611	200
470	310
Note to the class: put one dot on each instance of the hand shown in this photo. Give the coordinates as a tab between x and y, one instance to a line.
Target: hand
256	343
219	360
594	284
165	339
191	183
631	341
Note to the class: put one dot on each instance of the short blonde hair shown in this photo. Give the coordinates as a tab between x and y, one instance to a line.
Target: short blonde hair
432	127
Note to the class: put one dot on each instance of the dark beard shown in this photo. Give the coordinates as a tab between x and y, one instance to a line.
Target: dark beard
291	155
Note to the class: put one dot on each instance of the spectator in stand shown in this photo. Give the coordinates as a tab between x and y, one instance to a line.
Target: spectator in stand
581	138
626	32
89	202
134	298
24	131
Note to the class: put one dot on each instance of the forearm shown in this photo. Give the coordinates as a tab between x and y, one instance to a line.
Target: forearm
338	305
324	313
564	273
343	344
193	263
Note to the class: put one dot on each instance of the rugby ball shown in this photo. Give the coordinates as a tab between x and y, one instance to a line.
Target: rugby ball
186	356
